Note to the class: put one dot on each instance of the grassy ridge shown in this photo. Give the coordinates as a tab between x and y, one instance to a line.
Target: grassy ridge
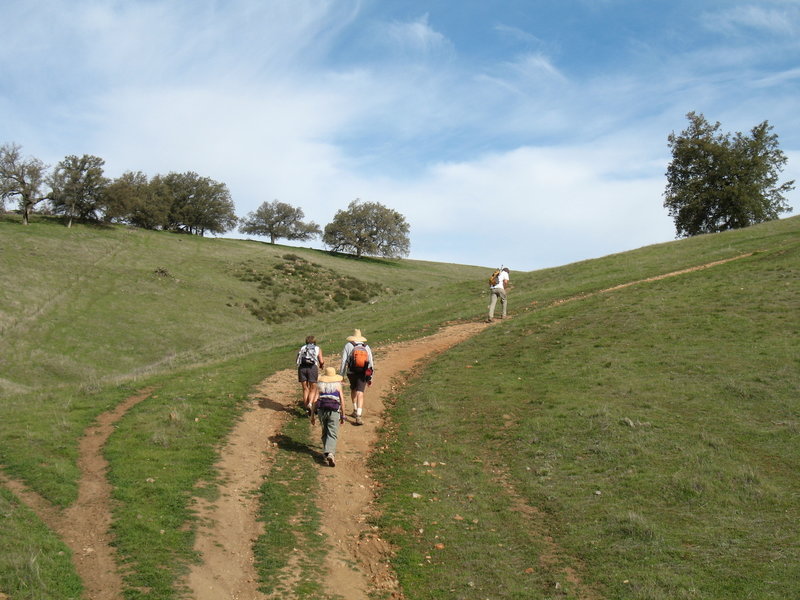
651	432
676	400
89	303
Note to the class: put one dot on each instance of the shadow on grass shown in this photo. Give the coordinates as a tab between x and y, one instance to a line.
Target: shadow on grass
375	260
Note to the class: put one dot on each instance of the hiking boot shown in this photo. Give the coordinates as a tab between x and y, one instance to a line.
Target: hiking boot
331	460
359	420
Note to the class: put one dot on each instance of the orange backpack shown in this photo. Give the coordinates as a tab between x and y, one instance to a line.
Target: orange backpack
359	359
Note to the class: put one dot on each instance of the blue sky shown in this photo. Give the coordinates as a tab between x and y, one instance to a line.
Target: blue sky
523	133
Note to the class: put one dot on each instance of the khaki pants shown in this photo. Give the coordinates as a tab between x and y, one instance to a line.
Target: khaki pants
497	293
329	419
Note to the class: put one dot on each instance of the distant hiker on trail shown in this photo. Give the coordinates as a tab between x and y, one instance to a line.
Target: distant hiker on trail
357	363
497	288
329	405
309	361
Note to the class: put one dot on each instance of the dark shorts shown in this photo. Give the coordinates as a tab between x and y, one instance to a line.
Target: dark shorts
358	381
308	374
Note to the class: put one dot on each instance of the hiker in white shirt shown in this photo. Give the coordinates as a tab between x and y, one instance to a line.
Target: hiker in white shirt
498	290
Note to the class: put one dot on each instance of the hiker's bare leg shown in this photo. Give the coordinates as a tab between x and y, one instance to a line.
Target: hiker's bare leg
313	394
310	393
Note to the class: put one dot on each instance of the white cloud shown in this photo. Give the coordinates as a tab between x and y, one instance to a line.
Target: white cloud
516	34
532	66
415	37
782	21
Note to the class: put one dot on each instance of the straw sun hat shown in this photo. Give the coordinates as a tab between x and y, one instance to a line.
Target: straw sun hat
330	376
357	337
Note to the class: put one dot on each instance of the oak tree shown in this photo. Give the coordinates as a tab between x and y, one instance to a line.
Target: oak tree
21	179
78	186
368	228
278	220
718	181
198	205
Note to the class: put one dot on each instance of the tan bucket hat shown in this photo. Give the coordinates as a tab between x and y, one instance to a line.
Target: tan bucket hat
330	376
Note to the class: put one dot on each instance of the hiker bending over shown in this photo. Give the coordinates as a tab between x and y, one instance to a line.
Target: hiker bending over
357	363
309	360
329	405
497	289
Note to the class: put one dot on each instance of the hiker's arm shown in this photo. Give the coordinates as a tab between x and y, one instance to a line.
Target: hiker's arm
343	365
320	359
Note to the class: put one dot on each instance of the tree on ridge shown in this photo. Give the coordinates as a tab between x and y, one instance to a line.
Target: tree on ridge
368	228
78	187
21	179
278	220
718	181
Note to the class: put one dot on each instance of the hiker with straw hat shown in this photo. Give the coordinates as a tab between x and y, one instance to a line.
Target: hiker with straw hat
329	405
358	364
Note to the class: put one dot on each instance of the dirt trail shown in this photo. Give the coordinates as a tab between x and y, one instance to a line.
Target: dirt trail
357	563
84	526
654	278
228	525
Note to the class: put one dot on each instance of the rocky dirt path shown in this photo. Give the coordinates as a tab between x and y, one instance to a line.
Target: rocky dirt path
357	561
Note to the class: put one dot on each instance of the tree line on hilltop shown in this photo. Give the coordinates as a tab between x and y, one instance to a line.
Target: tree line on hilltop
715	181
77	189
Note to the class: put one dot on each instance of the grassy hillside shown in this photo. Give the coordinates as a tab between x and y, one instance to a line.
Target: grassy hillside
92	303
643	441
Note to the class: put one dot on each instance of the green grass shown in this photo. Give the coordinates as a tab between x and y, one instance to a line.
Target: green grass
34	563
640	443
655	429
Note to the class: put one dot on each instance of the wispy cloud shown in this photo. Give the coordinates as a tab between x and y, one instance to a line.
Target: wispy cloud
415	37
533	66
518	35
458	130
778	18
